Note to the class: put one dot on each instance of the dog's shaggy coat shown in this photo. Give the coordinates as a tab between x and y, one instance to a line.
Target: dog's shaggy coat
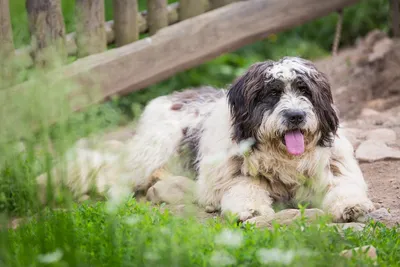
273	137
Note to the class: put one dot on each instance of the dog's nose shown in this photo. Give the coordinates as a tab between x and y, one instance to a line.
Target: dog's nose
295	117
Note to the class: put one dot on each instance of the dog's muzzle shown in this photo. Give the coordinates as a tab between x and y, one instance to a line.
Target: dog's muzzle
294	137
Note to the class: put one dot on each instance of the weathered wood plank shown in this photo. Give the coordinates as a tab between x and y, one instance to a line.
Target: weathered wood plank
395	17
91	36
6	36
157	16
188	44
126	26
46	24
219	3
191	8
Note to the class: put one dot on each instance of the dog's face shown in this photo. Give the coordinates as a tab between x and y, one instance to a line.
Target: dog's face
287	103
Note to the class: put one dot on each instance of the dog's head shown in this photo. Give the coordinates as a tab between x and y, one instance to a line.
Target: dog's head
288	103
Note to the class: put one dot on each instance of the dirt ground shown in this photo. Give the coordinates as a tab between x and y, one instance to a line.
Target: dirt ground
366	87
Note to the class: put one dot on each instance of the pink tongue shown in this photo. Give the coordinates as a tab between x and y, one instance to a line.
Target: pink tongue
294	142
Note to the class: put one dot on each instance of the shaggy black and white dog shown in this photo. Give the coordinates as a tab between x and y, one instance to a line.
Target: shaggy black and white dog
273	137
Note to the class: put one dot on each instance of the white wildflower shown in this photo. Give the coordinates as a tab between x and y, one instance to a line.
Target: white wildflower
117	194
245	145
222	258
165	231
51	257
229	238
151	256
132	220
275	255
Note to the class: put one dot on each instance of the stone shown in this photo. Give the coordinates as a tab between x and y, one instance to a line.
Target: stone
261	221
368	112
171	190
380	49
369	250
313	214
354	135
353	225
374	150
285	217
380	215
388	136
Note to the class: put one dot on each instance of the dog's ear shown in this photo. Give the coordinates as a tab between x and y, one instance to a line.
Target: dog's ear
241	95
324	108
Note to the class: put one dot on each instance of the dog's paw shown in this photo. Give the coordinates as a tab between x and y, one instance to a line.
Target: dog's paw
350	211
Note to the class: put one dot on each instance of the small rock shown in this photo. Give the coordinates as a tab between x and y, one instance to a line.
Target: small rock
261	221
355	136
171	190
284	217
352	225
313	214
367	112
380	49
373	150
369	250
287	216
84	198
380	215
377	206
385	135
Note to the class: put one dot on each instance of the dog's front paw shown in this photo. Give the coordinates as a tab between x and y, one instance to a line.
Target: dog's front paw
351	209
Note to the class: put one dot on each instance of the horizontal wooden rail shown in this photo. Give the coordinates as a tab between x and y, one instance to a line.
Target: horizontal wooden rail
185	45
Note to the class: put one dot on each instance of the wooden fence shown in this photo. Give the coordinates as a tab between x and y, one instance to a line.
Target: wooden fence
206	29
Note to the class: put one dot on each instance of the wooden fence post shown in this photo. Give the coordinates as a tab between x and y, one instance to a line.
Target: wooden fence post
126	26
91	35
157	16
46	24
191	8
395	17
6	37
220	3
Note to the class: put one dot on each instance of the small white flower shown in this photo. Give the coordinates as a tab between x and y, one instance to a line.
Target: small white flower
222	258
245	145
165	231
132	220
229	238
51	257
151	256
275	255
118	194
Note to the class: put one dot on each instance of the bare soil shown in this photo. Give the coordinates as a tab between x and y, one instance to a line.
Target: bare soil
366	87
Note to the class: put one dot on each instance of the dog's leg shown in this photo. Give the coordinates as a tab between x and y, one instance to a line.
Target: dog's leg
157	138
347	198
246	199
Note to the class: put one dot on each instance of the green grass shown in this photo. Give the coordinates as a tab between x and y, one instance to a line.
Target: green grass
141	235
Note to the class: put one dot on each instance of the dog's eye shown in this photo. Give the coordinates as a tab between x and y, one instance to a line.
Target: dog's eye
274	93
302	87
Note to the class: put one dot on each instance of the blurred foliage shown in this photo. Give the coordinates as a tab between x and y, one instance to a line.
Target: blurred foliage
142	235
